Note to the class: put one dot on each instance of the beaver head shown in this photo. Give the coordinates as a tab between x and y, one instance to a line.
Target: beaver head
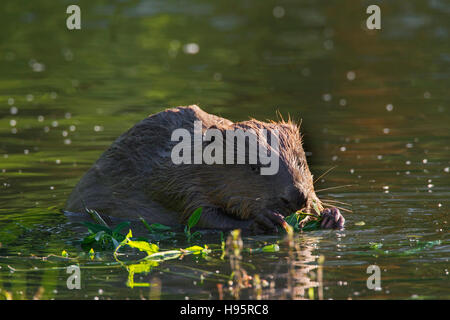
242	191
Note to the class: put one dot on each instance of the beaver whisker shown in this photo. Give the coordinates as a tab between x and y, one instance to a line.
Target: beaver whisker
330	188
331	200
323	174
334	206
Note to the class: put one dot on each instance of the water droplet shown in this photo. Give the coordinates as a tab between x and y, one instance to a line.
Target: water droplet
278	12
36	66
191	48
328	44
326	97
13	110
351	75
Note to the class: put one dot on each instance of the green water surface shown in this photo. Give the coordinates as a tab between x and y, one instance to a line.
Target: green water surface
373	104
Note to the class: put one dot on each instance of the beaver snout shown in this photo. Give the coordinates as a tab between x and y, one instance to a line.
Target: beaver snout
294	199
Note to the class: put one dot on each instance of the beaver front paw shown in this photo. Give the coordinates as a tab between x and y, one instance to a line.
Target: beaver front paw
332	219
266	222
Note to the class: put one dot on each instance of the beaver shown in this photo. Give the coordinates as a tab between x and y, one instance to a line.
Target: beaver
137	177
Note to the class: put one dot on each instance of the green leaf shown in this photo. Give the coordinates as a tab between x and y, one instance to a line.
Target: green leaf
316	208
89	239
120	226
95	228
156	237
193	219
271	248
150	248
312	225
115	242
129	235
99	235
196	235
292	220
194	248
375	245
157	227
268	248
96	216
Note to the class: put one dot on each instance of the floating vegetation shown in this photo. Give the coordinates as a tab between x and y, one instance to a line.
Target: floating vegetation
192	222
103	237
303	221
419	246
158	232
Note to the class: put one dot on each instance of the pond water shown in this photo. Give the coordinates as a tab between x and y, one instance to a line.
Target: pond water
374	106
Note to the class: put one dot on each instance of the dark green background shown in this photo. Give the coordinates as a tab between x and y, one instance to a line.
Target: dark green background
128	61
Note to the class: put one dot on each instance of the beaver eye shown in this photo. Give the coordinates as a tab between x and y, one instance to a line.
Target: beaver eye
255	168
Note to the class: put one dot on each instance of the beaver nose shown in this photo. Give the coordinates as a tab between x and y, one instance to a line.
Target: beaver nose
294	198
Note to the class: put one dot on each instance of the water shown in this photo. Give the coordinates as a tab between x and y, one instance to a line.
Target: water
374	105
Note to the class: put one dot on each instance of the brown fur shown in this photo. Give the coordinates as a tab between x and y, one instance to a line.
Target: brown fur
136	177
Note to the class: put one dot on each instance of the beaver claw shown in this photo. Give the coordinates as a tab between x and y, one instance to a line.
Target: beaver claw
266	222
332	219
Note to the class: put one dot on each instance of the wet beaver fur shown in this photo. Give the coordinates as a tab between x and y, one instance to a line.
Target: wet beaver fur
136	177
